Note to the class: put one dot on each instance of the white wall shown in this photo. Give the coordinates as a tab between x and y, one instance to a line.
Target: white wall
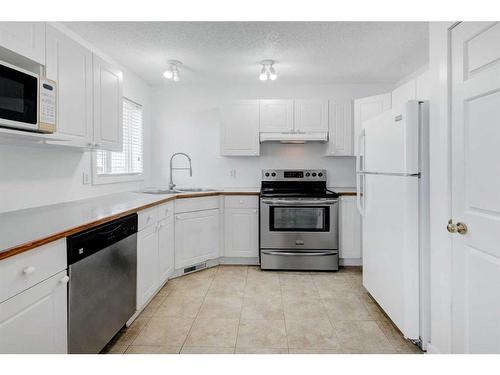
40	175
186	119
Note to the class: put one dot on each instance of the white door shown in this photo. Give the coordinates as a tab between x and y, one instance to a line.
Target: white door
310	116
276	116
24	38
402	94
241	232
166	248
367	108
35	321
70	65
239	128
349	230
197	237
340	142
108	92
147	264
476	187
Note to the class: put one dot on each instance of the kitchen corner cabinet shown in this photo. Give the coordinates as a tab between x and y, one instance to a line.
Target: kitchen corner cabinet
310	116
197	237
24	38
341	132
367	108
240	128
241	227
147	264
349	229
276	116
108	93
70	65
166	248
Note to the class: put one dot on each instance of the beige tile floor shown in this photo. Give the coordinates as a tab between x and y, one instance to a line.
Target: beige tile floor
241	309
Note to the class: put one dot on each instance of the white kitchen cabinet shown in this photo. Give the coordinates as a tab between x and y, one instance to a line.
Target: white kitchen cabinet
70	65
147	264
310	116
240	128
403	93
367	108
166	248
197	237
349	230
276	115
35	320
107	95
24	38
341	132
241	232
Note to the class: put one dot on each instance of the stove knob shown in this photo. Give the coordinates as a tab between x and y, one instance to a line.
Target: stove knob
307	174
320	174
267	174
273	174
314	174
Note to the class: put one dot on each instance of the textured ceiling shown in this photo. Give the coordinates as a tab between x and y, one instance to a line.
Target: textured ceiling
305	52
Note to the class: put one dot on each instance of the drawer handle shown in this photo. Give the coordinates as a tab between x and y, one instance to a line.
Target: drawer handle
29	270
254	210
150	217
64	279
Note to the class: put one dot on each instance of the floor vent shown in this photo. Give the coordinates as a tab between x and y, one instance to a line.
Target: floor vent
195	268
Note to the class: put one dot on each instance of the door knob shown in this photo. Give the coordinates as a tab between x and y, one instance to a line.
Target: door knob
459	227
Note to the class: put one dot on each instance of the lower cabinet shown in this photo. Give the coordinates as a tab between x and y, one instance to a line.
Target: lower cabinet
35	320
166	248
147	264
349	230
197	237
241	232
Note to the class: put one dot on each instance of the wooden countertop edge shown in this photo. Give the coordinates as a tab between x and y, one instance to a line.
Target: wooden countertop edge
68	232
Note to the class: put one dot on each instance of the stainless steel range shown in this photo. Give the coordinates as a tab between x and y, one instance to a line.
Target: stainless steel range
298	221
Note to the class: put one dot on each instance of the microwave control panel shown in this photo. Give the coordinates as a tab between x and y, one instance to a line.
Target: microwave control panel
48	101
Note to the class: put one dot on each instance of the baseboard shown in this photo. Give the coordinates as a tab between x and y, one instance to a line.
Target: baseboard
351	261
431	349
249	261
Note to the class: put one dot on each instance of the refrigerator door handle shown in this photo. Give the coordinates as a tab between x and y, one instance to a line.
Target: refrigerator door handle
360	193
360	167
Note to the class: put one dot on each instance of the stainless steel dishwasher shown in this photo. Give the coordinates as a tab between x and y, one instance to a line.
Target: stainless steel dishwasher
102	264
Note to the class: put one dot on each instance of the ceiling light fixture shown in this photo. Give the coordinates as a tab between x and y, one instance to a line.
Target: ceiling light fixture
267	72
172	73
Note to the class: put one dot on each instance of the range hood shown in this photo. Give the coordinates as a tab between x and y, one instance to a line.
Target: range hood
295	137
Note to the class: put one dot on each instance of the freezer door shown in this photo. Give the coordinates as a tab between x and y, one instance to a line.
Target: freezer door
391	248
391	141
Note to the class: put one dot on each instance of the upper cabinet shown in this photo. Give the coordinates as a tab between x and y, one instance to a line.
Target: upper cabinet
276	116
367	108
340	142
108	93
24	38
240	128
310	116
70	65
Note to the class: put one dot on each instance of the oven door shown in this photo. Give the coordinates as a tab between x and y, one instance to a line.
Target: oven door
18	98
299	223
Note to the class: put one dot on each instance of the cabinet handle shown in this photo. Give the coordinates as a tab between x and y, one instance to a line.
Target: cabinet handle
241	201
97	145
254	210
29	270
64	279
177	217
150	217
89	144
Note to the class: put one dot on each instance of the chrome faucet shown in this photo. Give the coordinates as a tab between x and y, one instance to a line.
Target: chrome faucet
171	185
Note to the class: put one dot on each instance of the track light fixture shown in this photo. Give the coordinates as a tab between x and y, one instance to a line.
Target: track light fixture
172	73
267	72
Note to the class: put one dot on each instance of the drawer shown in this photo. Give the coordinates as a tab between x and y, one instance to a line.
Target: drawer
147	217
196	204
24	270
165	210
242	201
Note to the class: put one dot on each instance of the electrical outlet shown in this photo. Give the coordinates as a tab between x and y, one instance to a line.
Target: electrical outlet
85	178
232	173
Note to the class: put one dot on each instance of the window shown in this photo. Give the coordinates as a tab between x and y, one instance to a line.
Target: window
128	164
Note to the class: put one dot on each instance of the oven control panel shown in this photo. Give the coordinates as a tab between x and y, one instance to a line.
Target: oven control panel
293	175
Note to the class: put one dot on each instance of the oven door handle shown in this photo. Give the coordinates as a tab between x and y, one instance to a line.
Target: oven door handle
284	202
298	253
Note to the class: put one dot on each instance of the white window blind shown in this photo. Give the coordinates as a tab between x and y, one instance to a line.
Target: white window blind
130	161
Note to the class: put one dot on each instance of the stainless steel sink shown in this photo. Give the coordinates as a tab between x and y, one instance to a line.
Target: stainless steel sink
160	191
195	190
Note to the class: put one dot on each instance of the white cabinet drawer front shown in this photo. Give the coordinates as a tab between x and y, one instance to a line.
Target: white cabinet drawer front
35	321
22	271
165	210
147	217
196	204
242	201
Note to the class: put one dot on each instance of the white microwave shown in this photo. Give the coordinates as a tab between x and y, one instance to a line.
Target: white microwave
27	102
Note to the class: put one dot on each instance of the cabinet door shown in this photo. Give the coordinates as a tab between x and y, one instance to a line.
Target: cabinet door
108	92
147	264
239	128
276	116
241	232
166	248
367	108
197	237
24	38
70	65
311	116
349	229
35	321
341	131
